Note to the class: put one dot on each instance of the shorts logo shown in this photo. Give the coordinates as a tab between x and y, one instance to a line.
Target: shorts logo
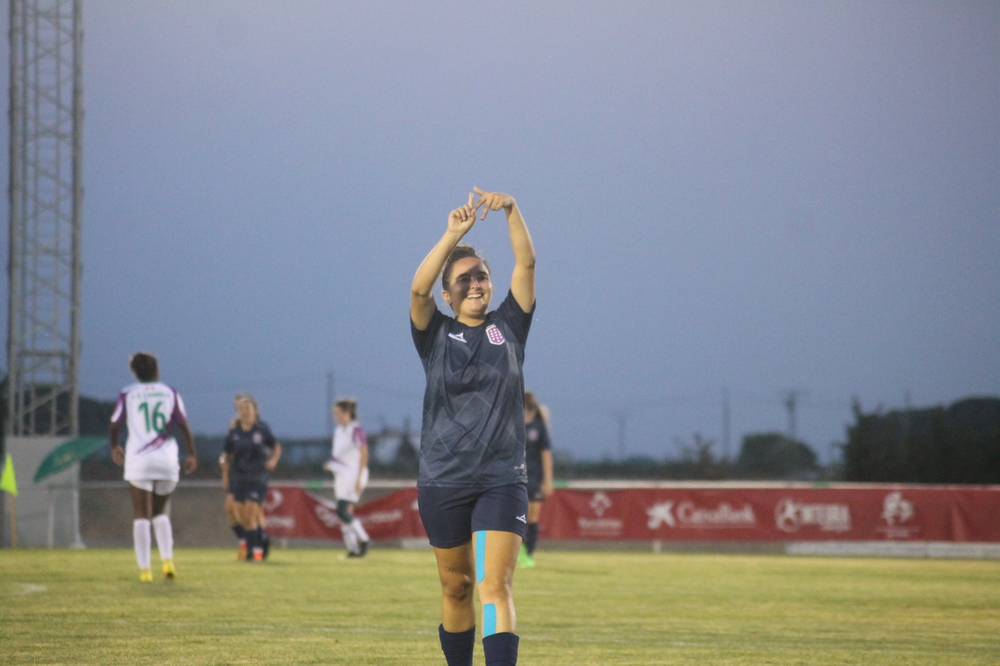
523	519
494	335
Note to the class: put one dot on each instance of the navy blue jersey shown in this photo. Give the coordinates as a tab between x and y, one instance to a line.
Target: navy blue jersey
248	451
473	421
536	440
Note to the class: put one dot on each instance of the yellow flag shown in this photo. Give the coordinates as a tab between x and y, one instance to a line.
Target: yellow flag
8	481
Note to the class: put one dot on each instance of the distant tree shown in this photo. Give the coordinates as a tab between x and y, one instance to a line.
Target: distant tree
776	456
955	444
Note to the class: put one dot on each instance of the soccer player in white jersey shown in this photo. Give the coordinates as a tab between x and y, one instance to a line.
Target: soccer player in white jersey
152	411
349	464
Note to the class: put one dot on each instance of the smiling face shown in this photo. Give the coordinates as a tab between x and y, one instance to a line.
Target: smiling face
247	413
470	290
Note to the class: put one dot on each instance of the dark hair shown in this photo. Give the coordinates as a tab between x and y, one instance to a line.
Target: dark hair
144	366
460	252
349	405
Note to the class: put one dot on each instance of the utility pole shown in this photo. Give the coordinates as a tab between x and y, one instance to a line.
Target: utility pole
791	406
621	417
725	424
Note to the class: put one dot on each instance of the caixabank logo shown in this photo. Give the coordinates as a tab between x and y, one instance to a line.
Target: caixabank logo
898	519
688	514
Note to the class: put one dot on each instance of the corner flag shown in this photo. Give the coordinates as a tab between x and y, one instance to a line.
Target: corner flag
8	481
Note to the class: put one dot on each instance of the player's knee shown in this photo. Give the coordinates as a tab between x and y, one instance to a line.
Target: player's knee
344	511
495	588
458	589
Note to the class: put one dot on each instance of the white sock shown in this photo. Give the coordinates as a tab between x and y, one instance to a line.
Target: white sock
359	529
164	536
142	541
350	538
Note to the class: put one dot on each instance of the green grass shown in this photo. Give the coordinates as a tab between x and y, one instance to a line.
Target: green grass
306	607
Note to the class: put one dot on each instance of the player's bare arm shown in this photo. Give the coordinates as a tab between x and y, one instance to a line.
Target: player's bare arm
272	462
460	221
522	282
191	462
117	452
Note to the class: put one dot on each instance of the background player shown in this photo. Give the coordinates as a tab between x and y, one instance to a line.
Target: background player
472	477
538	459
349	464
151	411
230	505
250	454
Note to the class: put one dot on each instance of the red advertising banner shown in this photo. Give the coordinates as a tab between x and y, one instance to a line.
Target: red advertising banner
296	512
776	514
869	513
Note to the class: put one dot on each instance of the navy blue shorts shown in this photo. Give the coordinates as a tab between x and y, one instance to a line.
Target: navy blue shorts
451	515
248	490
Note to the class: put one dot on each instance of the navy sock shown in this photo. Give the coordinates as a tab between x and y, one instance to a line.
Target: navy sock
501	649
239	531
251	542
531	538
457	646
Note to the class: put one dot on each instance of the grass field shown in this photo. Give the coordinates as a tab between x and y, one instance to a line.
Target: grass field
307	607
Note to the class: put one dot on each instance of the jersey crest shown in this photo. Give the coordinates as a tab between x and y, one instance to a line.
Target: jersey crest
494	335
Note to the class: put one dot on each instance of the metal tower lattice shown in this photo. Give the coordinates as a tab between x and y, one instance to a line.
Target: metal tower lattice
46	193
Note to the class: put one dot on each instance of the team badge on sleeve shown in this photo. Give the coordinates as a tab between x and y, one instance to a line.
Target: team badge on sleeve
494	335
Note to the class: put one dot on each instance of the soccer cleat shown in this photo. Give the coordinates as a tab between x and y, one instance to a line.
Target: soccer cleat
363	548
258	554
241	551
267	546
524	560
145	576
168	569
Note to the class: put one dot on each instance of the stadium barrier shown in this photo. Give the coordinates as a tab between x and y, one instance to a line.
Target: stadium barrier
802	518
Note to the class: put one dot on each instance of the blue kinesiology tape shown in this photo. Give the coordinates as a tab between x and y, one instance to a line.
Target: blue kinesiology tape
480	556
489	620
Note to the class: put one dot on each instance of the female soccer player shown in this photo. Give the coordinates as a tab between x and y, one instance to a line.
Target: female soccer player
152	411
250	453
538	458
349	464
472	495
231	506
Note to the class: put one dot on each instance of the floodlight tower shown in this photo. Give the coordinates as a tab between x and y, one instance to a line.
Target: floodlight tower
45	196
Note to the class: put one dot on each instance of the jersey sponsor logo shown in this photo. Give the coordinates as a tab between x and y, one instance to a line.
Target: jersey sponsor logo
494	335
457	336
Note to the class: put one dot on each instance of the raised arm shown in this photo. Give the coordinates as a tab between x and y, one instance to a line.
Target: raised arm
522	282
422	290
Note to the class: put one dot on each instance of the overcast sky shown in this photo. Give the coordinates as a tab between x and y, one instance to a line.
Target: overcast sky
758	196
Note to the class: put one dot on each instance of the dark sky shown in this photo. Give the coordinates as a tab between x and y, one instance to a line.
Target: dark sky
763	196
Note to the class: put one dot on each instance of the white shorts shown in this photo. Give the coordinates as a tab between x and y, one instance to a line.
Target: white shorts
160	487
345	484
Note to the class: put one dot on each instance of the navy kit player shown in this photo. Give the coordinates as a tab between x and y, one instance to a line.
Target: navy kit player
151	410
538	458
249	455
471	489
